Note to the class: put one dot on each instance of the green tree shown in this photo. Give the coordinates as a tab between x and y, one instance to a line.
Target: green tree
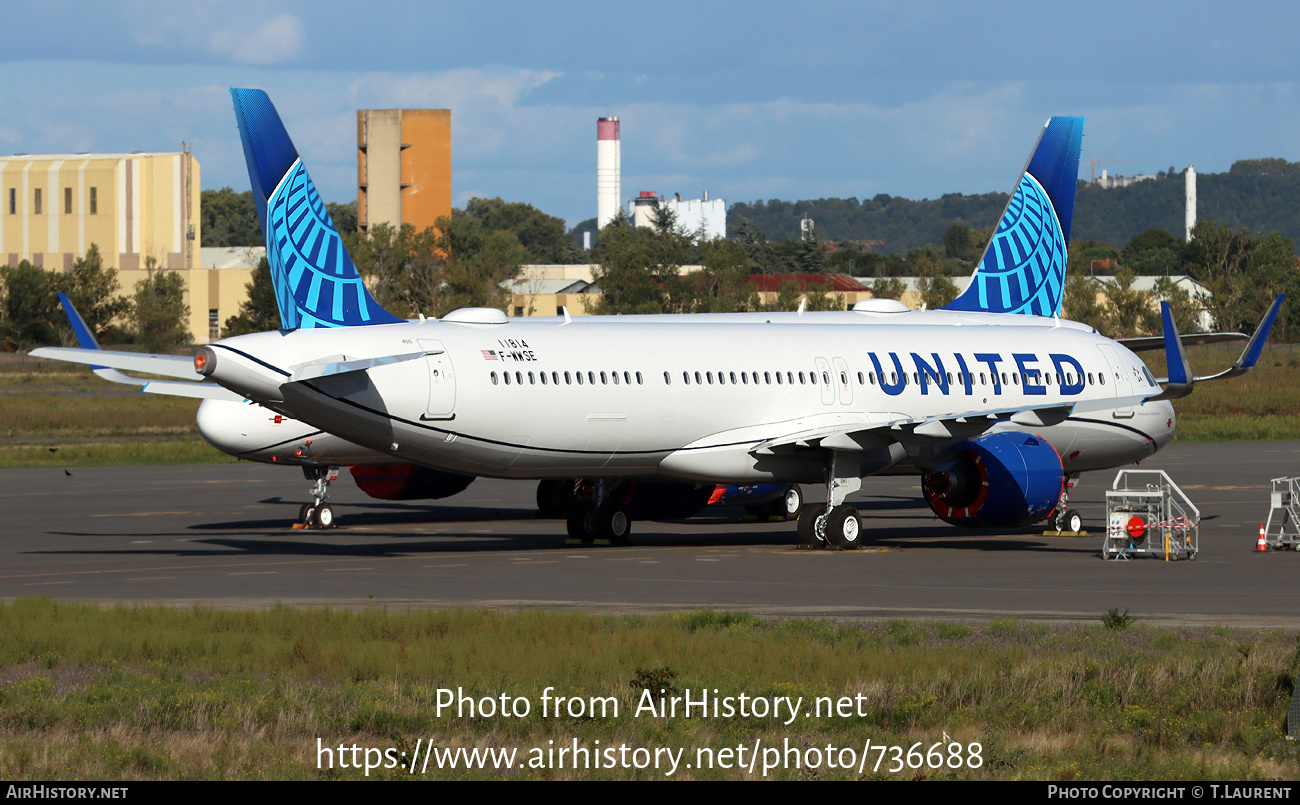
1131	311
1080	301
810	257
30	307
1186	311
1242	272
757	249
471	264
1152	253
888	288
344	216
629	275
935	287
229	219
960	245
541	234
93	290
723	285
260	312
456	263
159	312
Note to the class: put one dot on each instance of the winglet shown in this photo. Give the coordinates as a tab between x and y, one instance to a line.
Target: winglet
1023	266
1180	379
1250	355
86	338
316	282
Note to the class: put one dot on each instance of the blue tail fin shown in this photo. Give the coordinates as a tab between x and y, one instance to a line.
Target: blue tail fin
316	282
1023	268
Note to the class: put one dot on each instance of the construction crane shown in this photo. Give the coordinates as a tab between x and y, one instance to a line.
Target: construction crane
1092	163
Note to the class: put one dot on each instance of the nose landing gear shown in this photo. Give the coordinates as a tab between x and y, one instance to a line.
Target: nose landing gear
318	513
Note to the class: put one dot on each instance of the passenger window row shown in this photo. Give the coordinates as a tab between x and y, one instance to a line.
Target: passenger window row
768	378
589	378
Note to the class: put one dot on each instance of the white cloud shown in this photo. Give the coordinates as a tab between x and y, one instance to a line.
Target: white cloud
277	41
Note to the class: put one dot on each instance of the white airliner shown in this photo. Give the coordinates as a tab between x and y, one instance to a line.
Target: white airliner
994	399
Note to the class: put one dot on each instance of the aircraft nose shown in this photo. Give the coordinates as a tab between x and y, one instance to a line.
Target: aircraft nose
1164	424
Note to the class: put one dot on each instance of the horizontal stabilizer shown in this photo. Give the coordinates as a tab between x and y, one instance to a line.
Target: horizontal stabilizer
201	391
166	365
340	364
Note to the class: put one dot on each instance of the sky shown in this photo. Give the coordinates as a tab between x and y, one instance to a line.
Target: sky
748	101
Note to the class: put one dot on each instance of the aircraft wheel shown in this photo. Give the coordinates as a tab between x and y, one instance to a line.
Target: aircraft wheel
325	517
844	528
303	511
1073	521
577	521
790	503
554	497
812	526
612	523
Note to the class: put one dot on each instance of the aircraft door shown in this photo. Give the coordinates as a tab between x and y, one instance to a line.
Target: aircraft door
1118	375
442	381
825	380
843	380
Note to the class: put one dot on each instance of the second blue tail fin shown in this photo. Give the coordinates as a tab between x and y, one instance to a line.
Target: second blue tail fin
1023	267
316	282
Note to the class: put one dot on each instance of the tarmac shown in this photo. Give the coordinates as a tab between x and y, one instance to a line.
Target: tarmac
221	535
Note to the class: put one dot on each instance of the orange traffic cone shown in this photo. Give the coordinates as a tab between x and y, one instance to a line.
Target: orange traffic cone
1262	545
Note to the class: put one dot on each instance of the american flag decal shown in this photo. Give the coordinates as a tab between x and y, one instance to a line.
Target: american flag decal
489	354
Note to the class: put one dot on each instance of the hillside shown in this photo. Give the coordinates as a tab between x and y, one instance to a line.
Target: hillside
1259	194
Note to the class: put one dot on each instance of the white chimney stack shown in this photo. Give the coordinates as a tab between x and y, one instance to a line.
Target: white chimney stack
608	169
1189	215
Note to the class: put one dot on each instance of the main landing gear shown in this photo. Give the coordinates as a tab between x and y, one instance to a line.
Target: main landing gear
784	508
835	523
318	513
599	514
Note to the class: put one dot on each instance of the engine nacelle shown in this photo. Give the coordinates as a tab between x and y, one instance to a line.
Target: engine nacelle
408	482
998	480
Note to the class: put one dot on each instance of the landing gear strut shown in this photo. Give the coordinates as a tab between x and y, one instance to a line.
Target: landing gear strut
318	513
1064	519
600	515
836	523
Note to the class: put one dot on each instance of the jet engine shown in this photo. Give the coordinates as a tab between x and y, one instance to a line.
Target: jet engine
998	480
407	481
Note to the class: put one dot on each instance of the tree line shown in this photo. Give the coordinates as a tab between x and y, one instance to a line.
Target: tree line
155	316
1260	194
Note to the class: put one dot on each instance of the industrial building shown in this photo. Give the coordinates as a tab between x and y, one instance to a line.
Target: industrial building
702	217
137	208
403	167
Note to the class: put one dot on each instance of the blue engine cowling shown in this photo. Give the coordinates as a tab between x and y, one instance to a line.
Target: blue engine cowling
998	480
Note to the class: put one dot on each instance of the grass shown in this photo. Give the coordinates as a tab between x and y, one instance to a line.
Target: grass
146	692
60	415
